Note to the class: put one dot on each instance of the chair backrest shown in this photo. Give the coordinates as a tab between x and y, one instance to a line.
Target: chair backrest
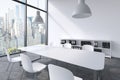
8	55
59	73
26	63
88	47
67	45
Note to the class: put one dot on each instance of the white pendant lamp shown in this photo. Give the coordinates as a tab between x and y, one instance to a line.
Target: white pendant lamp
82	10
38	19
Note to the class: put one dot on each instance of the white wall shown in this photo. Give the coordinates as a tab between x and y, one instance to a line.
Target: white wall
104	24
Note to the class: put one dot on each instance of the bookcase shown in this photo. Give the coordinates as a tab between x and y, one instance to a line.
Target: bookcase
103	46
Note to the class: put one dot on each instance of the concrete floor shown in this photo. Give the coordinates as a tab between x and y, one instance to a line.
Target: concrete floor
13	71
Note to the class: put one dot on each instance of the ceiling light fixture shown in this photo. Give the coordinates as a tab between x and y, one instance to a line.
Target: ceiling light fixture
38	19
82	10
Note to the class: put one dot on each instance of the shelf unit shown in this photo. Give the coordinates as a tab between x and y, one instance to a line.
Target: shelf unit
103	46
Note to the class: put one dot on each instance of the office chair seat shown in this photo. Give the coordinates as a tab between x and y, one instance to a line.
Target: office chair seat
38	66
29	66
77	78
15	59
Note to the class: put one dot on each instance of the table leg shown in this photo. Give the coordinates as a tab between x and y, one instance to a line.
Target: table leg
20	63
40	57
97	75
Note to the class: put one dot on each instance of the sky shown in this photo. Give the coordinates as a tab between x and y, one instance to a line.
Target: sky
9	6
4	5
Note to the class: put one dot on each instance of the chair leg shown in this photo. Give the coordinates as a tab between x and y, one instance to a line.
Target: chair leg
40	57
29	75
10	72
22	75
8	66
20	63
35	76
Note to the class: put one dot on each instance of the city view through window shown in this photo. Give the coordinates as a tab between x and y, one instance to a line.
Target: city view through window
12	25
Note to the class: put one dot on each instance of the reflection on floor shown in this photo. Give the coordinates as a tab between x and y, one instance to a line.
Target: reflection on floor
13	71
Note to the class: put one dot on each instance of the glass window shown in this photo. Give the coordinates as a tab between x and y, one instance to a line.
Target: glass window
11	25
19	27
21	0
42	4
35	31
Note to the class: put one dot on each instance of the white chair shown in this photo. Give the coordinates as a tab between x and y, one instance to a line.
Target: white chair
60	73
88	47
67	45
30	67
14	59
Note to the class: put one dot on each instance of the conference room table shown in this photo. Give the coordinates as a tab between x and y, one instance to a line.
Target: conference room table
87	59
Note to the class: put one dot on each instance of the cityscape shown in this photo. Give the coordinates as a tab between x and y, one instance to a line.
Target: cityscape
12	29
